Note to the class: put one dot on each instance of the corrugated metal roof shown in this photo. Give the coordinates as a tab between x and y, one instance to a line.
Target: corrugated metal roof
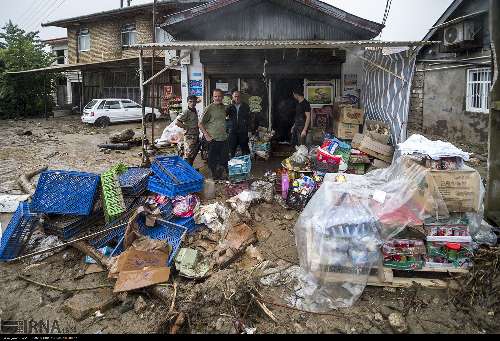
325	8
277	44
124	10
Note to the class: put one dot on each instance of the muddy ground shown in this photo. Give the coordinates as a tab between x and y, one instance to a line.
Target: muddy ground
222	303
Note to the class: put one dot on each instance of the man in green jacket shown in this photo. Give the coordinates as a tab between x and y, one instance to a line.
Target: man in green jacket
213	127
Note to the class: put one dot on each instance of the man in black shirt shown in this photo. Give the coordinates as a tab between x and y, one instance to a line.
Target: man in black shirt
239	125
302	118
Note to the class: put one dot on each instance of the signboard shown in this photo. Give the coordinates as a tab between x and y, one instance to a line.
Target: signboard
351	87
223	86
196	88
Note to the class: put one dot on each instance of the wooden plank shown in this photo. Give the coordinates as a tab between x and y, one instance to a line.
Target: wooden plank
445	270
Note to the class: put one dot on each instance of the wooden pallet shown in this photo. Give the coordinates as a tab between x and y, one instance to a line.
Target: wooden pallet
385	278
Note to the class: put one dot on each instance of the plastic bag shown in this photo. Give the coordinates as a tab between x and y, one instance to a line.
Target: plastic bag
242	202
214	216
171	134
300	157
185	206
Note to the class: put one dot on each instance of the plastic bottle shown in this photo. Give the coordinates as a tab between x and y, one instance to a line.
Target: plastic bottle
209	189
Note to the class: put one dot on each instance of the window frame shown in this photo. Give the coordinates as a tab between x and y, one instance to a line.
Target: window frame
83	33
106	107
481	86
131	31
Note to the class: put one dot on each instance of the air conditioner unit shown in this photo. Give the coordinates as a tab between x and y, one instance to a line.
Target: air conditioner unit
459	33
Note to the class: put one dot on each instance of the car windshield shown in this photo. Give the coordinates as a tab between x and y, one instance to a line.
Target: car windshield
91	104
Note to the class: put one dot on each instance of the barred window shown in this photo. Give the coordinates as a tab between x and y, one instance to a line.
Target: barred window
84	40
129	35
478	90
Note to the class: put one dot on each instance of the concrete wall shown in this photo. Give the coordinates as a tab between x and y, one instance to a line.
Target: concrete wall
444	108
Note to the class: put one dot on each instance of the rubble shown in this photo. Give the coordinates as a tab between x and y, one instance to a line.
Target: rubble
83	305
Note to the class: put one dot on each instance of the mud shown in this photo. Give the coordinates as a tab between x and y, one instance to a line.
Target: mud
223	303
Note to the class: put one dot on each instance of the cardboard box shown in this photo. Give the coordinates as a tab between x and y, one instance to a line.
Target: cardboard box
378	164
382	138
349	114
345	131
373	148
459	189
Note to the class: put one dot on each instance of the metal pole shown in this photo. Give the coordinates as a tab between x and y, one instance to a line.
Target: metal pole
153	85
143	104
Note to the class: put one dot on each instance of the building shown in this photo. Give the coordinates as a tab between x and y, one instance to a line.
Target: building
450	95
263	72
97	46
68	87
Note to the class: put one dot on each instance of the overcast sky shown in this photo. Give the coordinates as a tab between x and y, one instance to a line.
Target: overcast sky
408	19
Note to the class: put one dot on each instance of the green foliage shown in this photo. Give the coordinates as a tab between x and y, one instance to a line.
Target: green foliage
23	94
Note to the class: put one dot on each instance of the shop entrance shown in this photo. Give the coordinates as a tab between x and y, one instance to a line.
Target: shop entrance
283	108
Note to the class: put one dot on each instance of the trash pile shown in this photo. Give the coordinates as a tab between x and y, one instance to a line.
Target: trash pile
260	144
354	223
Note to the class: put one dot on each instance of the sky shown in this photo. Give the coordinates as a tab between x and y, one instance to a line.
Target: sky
408	19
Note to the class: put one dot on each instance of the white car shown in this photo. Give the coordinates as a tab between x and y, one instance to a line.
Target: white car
102	112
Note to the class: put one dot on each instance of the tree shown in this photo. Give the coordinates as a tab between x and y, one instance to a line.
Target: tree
23	94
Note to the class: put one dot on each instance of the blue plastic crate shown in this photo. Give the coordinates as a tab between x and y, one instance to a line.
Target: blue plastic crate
188	223
166	210
174	176
67	227
134	181
103	239
17	232
164	230
63	192
241	168
156	185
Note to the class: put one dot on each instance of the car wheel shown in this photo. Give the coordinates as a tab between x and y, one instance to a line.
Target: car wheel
149	117
102	122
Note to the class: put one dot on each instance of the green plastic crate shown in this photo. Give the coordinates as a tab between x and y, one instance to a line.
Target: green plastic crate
113	202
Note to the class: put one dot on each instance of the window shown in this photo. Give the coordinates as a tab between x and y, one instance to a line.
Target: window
101	106
112	105
162	36
129	35
478	90
84	40
129	104
91	104
60	57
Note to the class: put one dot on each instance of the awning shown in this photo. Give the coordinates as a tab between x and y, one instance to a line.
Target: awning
124	62
277	44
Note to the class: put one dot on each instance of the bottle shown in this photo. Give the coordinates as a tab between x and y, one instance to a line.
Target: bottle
208	190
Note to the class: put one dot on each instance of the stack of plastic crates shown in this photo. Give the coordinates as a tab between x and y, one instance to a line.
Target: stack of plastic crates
134	181
173	177
115	235
239	168
67	227
64	192
113	202
17	232
163	230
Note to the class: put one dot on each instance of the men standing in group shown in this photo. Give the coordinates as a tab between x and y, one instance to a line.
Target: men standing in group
239	116
213	127
302	118
188	121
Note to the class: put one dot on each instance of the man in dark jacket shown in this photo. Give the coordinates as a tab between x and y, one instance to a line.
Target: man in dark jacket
239	125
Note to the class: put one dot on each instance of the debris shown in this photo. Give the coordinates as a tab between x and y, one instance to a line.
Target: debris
398	322
115	146
24	180
140	305
242	202
123	136
83	305
44	242
146	277
254	253
105	251
236	241
93	269
9	203
179	322
98	314
214	216
265	189
190	264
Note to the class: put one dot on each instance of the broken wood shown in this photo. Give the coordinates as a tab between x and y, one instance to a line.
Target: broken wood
179	322
25	180
61	289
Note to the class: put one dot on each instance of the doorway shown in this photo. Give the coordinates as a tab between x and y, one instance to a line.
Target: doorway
283	108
